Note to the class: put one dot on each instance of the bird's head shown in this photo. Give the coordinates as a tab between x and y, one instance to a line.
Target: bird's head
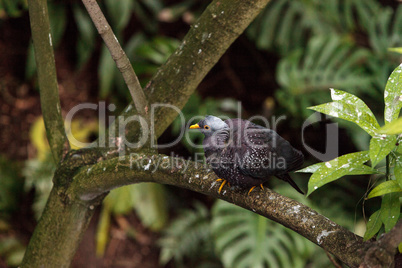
210	125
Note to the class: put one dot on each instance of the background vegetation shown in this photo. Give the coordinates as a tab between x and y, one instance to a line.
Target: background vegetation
285	62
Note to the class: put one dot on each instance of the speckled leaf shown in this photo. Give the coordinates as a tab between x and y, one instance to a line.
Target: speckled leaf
392	95
380	147
385	188
373	225
349	107
395	127
390	209
398	170
311	169
349	164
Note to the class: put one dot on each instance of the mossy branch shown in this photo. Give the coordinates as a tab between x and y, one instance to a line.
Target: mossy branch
93	181
47	77
381	253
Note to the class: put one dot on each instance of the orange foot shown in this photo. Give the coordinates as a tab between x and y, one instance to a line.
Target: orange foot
223	183
252	188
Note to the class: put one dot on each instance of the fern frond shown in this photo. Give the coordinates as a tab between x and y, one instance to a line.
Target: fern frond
286	25
188	239
245	239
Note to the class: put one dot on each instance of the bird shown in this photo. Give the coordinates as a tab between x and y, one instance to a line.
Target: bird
245	154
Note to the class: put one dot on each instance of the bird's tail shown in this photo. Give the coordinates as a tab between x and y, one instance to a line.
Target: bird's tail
287	178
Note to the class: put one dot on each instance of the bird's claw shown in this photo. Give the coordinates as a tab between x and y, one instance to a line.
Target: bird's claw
252	188
223	183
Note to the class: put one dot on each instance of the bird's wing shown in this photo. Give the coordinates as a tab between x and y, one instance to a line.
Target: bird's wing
262	153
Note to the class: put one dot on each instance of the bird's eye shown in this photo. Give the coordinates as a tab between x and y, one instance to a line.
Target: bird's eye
206	127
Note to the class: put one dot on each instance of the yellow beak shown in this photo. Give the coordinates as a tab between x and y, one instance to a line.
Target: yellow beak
194	126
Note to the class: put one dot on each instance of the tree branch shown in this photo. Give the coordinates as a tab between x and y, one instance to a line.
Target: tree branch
210	36
382	252
118	55
47	77
55	244
93	181
121	60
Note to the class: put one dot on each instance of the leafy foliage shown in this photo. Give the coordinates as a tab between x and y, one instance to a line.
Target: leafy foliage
395	127
302	19
148	200
12	8
350	164
148	52
392	95
348	107
150	205
12	250
351	108
245	239
38	175
188	239
38	172
328	61
335	43
239	238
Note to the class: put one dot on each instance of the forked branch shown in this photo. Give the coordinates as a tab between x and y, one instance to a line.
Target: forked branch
48	87
119	56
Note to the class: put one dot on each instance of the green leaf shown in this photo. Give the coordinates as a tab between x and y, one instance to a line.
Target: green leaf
11	250
392	95
373	225
385	188
311	169
188	237
106	72
119	12
390	210
398	170
349	107
86	35
102	230
120	200
395	127
38	175
13	8
395	49
349	164
149	201
326	62
380	147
